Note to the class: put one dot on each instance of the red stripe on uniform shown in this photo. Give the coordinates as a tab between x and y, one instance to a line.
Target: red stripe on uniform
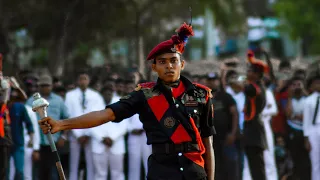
158	105
180	135
196	157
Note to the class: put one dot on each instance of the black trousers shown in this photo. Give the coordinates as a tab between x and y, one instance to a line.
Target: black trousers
256	162
47	170
300	156
4	161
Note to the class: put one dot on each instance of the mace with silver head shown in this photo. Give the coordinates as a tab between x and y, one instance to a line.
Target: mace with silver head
40	105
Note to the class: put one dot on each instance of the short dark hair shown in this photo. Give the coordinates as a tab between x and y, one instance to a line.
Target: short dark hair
119	80
284	64
231	73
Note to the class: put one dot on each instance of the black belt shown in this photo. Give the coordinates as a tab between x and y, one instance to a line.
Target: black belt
175	148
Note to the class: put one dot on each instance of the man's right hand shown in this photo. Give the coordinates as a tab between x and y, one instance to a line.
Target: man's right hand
48	124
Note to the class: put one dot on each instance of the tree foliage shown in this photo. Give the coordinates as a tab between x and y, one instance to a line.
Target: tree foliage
63	28
300	19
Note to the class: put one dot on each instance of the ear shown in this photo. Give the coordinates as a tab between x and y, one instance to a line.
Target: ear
182	64
153	66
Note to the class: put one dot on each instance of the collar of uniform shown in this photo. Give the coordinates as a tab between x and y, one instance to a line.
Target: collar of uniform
188	84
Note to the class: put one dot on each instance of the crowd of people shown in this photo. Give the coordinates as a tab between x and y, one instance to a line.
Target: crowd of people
222	125
289	117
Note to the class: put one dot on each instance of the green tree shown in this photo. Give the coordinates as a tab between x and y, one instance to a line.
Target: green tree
300	19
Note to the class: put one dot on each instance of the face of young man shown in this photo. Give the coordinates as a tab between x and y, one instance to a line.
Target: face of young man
168	66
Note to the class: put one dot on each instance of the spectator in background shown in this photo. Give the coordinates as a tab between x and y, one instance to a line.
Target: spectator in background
79	101
57	109
294	112
234	87
120	88
279	122
61	91
300	73
311	126
19	117
268	112
285	67
226	124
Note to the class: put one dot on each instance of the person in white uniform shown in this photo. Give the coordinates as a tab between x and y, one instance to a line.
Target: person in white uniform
138	150
311	126
269	156
81	101
108	145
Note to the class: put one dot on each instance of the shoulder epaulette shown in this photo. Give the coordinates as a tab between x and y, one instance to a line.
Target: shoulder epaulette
207	89
147	85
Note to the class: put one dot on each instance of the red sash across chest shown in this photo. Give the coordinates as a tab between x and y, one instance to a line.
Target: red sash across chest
3	112
159	106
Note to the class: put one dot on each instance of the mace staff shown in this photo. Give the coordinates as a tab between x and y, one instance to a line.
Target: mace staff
40	105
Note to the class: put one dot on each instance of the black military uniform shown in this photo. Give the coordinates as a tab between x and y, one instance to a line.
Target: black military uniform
254	133
168	120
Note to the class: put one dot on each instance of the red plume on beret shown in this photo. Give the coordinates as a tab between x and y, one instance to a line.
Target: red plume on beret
256	63
175	44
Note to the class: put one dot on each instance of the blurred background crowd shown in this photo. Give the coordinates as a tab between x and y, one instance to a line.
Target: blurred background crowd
82	55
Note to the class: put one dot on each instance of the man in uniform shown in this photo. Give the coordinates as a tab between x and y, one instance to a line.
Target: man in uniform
177	116
254	133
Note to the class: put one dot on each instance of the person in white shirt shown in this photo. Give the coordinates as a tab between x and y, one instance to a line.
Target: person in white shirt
137	145
294	112
269	156
80	101
311	126
108	145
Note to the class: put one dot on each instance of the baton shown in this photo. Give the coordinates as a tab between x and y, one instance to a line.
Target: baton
40	105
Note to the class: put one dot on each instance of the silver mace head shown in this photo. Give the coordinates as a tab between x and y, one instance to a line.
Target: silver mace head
40	105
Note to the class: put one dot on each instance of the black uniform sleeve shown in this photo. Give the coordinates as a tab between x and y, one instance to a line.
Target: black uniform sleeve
250	90
230	101
206	127
127	106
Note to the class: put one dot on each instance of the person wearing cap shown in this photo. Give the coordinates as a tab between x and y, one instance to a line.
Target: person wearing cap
226	124
254	136
177	116
311	126
57	110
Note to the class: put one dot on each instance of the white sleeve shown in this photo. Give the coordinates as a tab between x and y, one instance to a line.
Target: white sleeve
307	118
118	130
33	118
271	106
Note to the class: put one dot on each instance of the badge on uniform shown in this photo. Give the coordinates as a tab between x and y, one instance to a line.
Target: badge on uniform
169	122
190	101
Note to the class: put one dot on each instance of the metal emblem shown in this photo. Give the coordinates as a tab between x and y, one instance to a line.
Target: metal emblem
169	122
174	49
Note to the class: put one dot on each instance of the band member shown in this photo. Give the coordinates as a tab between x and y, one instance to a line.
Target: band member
177	116
254	132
